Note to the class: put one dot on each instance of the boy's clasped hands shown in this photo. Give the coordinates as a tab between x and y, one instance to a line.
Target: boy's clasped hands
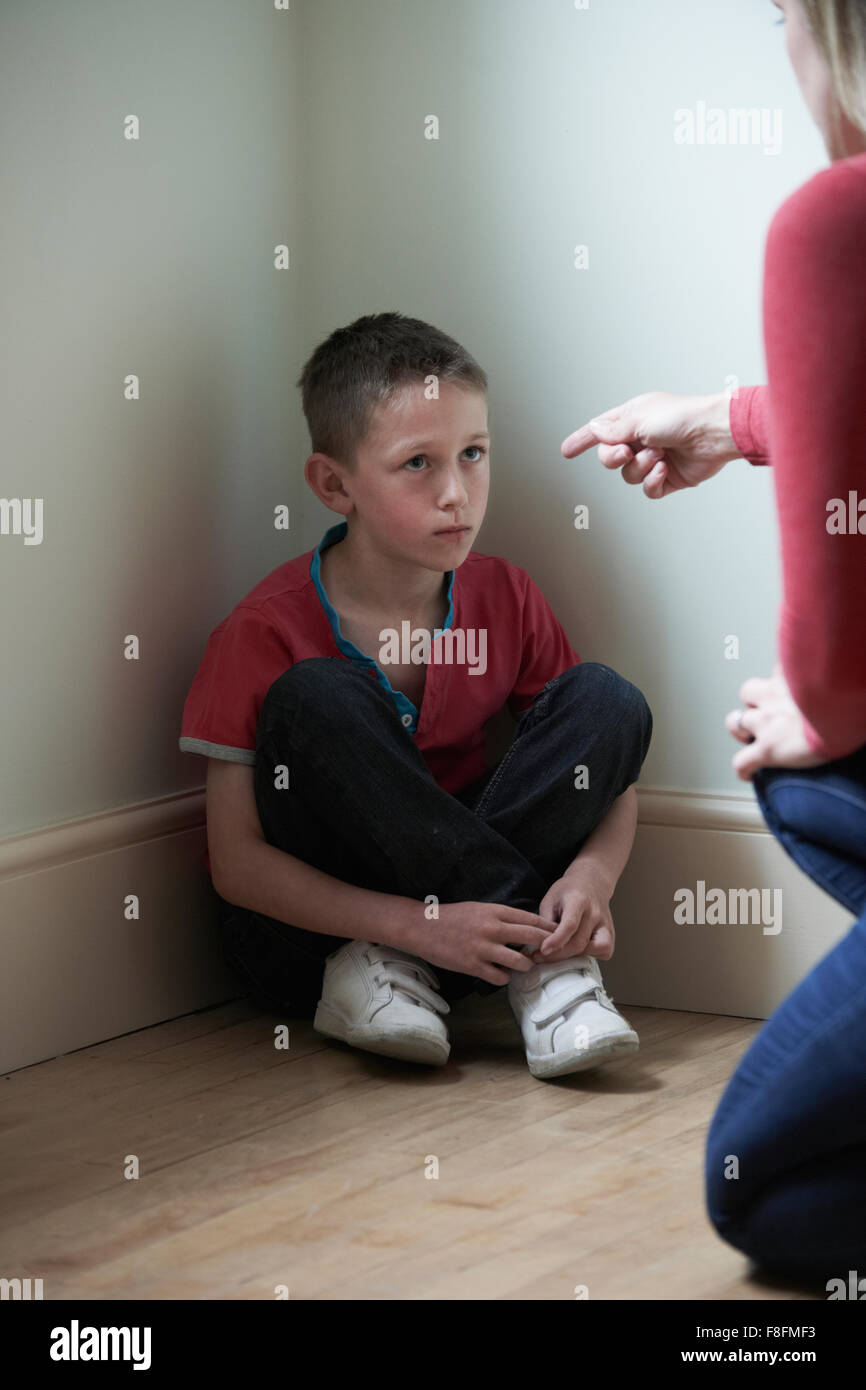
489	940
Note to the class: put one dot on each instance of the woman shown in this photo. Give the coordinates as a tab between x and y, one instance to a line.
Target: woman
786	1150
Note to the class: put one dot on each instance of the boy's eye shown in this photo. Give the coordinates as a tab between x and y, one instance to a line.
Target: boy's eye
420	457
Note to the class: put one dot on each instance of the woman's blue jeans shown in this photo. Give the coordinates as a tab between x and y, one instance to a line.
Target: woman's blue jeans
793	1115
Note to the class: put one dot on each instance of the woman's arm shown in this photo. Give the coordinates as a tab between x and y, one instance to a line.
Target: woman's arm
815	340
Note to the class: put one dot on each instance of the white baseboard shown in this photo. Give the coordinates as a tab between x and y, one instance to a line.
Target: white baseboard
74	971
686	838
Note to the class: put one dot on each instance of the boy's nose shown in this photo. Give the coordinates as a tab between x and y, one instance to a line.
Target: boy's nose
455	489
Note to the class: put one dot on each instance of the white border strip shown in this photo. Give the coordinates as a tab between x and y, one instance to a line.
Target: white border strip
40	850
700	810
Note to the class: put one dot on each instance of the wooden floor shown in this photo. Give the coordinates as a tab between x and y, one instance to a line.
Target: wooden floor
306	1168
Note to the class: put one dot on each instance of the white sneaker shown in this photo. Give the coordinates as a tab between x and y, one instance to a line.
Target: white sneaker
567	1019
383	1000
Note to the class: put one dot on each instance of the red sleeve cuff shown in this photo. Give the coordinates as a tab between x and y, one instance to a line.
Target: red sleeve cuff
826	748
749	424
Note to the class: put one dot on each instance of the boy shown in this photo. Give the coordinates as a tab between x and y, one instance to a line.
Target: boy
356	835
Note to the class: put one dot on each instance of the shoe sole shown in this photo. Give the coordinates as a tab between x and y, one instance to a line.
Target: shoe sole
564	1064
413	1045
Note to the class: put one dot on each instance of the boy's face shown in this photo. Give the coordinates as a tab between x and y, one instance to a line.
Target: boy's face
422	471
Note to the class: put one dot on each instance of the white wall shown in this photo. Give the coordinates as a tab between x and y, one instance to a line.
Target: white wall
152	257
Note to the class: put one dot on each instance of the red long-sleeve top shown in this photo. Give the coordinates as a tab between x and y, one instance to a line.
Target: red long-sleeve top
809	421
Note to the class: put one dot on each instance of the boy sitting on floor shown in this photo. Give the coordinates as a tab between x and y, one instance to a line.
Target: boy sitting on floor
357	836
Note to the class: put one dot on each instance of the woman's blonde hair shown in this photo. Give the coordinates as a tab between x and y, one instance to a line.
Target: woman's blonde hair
839	27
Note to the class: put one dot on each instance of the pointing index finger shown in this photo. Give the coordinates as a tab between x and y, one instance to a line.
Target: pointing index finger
578	442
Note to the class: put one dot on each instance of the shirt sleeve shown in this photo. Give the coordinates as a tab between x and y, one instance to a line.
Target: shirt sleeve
815	337
243	658
749	422
546	651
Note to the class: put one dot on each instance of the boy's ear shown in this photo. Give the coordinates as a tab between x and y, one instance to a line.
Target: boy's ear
326	477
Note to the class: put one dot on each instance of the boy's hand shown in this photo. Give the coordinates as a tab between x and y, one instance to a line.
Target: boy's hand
579	903
476	939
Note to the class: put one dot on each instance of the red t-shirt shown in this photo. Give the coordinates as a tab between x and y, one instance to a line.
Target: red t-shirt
810	422
283	620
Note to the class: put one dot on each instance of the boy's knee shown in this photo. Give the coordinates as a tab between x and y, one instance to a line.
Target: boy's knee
623	703
318	677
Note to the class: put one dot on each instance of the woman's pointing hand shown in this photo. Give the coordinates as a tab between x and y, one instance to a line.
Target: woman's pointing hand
665	442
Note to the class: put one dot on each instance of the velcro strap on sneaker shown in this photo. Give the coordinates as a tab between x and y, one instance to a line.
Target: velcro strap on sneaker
400	976
568	992
402	970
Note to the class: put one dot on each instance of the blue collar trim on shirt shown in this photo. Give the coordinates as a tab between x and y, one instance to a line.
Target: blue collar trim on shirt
406	710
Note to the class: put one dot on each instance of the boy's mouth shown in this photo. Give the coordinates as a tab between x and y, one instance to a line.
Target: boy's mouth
453	531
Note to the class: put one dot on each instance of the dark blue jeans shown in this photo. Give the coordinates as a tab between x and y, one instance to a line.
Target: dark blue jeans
794	1112
363	807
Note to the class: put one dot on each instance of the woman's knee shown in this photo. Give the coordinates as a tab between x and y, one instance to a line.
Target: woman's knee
722	1188
785	798
815	805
